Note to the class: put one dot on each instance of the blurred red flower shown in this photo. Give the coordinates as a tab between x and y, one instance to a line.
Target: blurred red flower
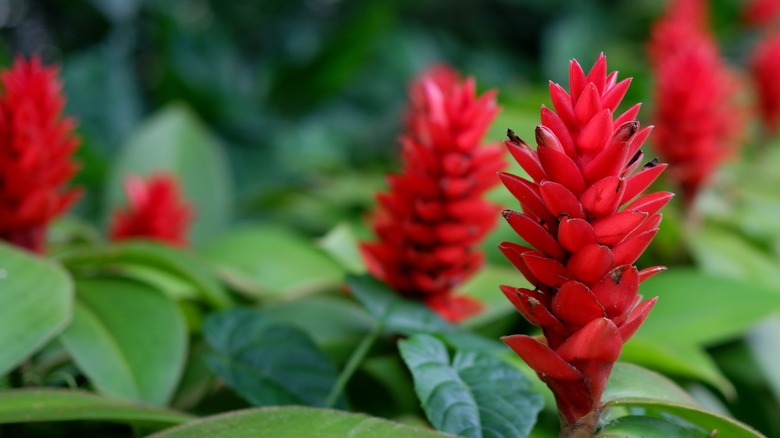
765	67
155	211
582	244
434	216
36	145
698	120
761	12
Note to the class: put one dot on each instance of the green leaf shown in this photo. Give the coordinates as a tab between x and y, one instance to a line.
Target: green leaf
273	259
474	395
682	360
295	422
336	324
179	264
720	252
130	340
175	141
764	345
412	317
28	405
713	424
396	313
692	307
36	303
629	380
268	363
646	427
342	245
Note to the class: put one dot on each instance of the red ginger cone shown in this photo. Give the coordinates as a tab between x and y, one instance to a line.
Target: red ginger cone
36	144
156	211
583	245
431	221
761	12
765	68
698	120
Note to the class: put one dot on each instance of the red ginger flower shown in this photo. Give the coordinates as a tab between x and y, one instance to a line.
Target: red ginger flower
582	244
431	221
698	122
765	68
36	144
156	211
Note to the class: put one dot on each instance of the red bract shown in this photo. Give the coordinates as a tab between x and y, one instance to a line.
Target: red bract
761	12
156	211
765	68
36	144
582	238
431	221
698	120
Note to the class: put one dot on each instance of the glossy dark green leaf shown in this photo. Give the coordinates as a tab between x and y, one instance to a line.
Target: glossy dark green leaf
151	256
646	427
268	363
277	422
472	394
712	423
29	405
175	141
273	261
128	339
36	303
693	306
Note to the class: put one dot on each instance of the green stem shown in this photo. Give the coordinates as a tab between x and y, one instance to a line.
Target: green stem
353	363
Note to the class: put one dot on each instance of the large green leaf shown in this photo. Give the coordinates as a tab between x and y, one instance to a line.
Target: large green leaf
127	257
342	245
713	424
763	342
130	340
696	308
273	260
295	421
36	303
690	361
175	141
268	363
410	317
474	395
27	405
646	427
632	381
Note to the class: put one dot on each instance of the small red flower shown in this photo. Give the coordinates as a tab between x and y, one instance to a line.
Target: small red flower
36	145
156	211
581	239
698	120
765	67
430	223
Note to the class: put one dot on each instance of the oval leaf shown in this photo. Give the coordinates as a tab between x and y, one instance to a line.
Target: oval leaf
474	395
28	405
130	340
628	380
175	141
36	303
692	307
180	264
273	260
267	363
646	427
713	424
295	422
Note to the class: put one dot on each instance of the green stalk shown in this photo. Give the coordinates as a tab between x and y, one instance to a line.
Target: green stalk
353	363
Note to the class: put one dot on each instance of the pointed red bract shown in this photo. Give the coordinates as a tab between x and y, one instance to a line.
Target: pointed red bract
155	211
431	221
36	145
584	237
